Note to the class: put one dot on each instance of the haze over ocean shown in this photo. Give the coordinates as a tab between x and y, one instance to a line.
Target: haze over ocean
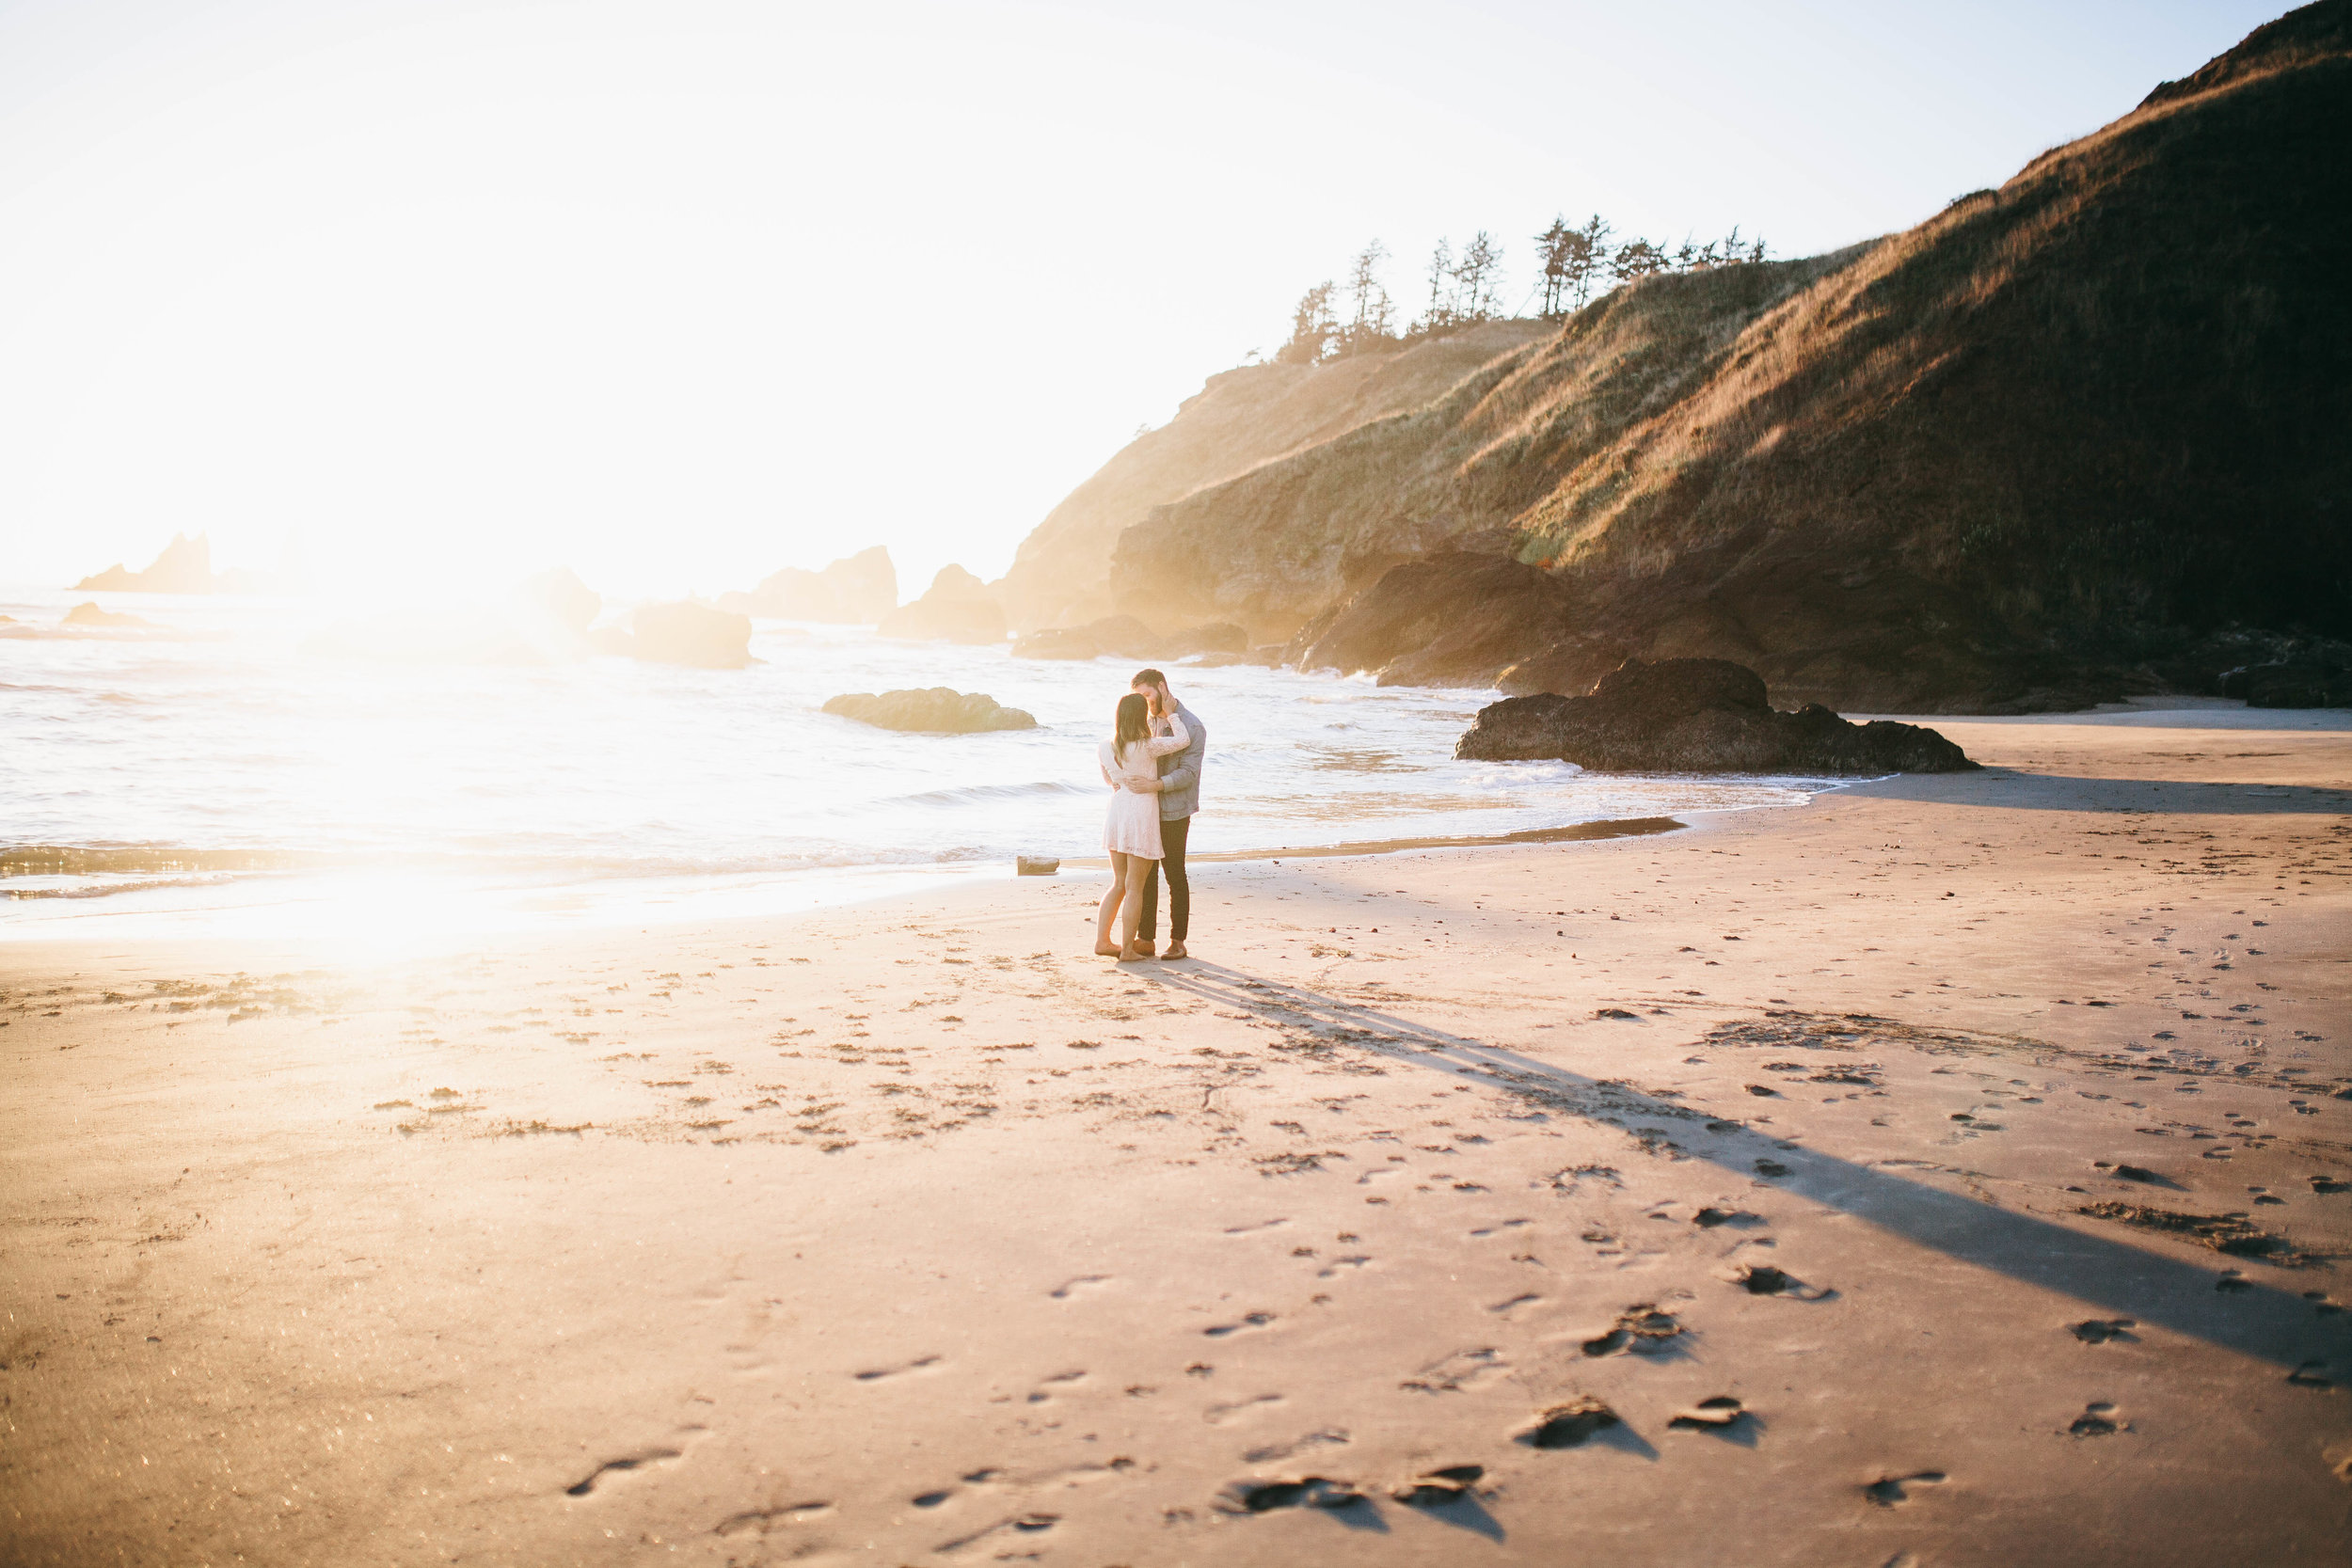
524	794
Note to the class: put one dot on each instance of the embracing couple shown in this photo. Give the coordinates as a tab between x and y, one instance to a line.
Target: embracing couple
1153	763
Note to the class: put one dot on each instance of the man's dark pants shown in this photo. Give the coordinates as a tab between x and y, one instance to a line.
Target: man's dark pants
1172	836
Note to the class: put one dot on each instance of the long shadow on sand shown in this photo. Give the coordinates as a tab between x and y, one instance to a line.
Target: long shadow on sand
2236	1314
2117	797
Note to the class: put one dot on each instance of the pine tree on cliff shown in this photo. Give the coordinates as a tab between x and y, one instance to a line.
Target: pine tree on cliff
1553	249
1637	258
1591	258
1370	313
1477	278
1570	259
1440	312
1313	328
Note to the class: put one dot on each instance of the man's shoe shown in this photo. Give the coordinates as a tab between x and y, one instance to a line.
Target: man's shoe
1143	945
1175	950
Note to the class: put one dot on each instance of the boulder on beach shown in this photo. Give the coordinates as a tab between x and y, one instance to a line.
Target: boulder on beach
936	710
684	632
2293	682
90	616
957	608
1697	716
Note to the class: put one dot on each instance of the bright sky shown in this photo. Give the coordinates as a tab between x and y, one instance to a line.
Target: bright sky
679	291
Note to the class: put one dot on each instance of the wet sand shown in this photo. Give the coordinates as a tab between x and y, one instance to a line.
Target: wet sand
1955	1171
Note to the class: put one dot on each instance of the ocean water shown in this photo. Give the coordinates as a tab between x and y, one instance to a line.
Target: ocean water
210	776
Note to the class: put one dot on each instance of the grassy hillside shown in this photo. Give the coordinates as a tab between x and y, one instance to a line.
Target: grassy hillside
1276	544
2083	434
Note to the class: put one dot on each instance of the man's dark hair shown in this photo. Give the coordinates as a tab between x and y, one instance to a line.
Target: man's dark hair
1147	677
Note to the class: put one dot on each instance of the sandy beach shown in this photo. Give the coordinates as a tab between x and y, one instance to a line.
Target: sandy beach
1955	1170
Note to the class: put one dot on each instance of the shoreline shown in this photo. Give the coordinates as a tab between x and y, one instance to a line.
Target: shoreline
906	1221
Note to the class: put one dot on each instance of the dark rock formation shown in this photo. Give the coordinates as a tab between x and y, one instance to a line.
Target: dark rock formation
1697	716
857	590
957	608
184	567
685	632
935	710
1457	618
2295	684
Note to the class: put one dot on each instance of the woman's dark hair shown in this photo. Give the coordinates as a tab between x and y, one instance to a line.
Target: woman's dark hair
1135	722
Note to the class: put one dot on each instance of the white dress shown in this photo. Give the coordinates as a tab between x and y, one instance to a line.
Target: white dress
1133	825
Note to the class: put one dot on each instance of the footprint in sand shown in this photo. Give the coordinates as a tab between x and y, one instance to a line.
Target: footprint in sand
595	1480
1722	1416
1039	1395
1254	1319
1464	1369
619	1466
1064	1291
1894	1491
760	1520
875	1374
2097	1420
2100	1331
1571	1425
1441	1488
1328	1437
1762	1279
1020	1524
1261	1496
1642	1329
1224	1414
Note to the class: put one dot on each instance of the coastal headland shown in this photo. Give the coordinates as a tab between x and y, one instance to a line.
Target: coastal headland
1957	1171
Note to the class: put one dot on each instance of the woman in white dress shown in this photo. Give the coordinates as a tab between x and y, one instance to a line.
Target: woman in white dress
1130	766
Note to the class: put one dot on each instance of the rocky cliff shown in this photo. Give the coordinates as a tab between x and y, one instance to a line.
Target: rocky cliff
858	590
2068	439
1241	419
186	566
